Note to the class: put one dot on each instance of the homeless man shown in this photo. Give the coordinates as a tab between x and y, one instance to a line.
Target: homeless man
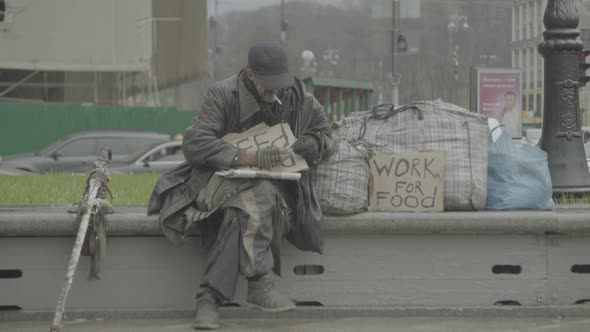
242	221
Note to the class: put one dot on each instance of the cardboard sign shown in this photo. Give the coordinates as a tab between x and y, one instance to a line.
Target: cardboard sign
411	182
261	136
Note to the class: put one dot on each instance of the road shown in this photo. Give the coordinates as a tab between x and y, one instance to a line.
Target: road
321	325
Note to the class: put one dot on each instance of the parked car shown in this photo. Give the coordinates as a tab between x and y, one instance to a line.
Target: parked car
533	135
76	152
14	172
157	159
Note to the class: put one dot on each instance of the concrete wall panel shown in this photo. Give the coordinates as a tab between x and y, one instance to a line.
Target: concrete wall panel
148	272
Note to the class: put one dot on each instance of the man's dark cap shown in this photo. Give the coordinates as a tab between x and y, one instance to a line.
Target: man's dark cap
268	61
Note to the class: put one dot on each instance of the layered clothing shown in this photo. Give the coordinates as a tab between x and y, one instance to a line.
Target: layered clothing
251	215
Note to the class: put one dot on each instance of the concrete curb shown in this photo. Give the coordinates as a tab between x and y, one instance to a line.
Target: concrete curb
133	221
315	313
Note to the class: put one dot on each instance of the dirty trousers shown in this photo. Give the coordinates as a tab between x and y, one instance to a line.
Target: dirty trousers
252	224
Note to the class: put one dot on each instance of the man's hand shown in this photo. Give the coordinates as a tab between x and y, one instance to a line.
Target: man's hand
245	158
308	147
271	156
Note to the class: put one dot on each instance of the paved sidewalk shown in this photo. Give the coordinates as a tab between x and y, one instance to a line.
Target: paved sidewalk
325	325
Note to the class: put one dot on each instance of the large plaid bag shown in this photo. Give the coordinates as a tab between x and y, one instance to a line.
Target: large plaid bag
432	125
341	182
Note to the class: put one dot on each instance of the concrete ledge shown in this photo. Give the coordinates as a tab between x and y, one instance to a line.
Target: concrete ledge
452	264
133	221
487	222
316	313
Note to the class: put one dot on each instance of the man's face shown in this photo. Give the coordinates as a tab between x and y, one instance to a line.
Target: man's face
510	101
266	95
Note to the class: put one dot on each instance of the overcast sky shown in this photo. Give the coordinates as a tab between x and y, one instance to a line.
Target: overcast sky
229	5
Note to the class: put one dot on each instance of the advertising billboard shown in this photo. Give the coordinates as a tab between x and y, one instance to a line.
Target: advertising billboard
499	96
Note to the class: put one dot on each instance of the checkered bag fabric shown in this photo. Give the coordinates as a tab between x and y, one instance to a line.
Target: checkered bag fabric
432	125
341	182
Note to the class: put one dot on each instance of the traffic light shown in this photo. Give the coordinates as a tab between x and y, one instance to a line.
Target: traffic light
402	44
2	10
455	61
582	67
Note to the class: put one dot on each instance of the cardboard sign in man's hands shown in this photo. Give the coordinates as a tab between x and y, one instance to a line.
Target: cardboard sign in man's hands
261	136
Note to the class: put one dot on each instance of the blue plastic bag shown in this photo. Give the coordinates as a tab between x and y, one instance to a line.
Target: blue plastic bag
518	176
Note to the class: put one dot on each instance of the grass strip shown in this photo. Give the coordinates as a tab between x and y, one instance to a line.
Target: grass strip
65	189
572	199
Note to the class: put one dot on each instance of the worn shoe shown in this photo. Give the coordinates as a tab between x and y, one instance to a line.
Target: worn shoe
207	317
263	295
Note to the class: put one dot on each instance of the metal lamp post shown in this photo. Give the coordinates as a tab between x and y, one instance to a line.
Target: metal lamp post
454	23
562	137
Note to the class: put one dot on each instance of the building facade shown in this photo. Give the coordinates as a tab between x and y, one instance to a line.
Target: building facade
107	52
527	33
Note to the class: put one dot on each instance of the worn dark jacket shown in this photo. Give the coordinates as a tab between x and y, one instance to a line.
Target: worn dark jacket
230	108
